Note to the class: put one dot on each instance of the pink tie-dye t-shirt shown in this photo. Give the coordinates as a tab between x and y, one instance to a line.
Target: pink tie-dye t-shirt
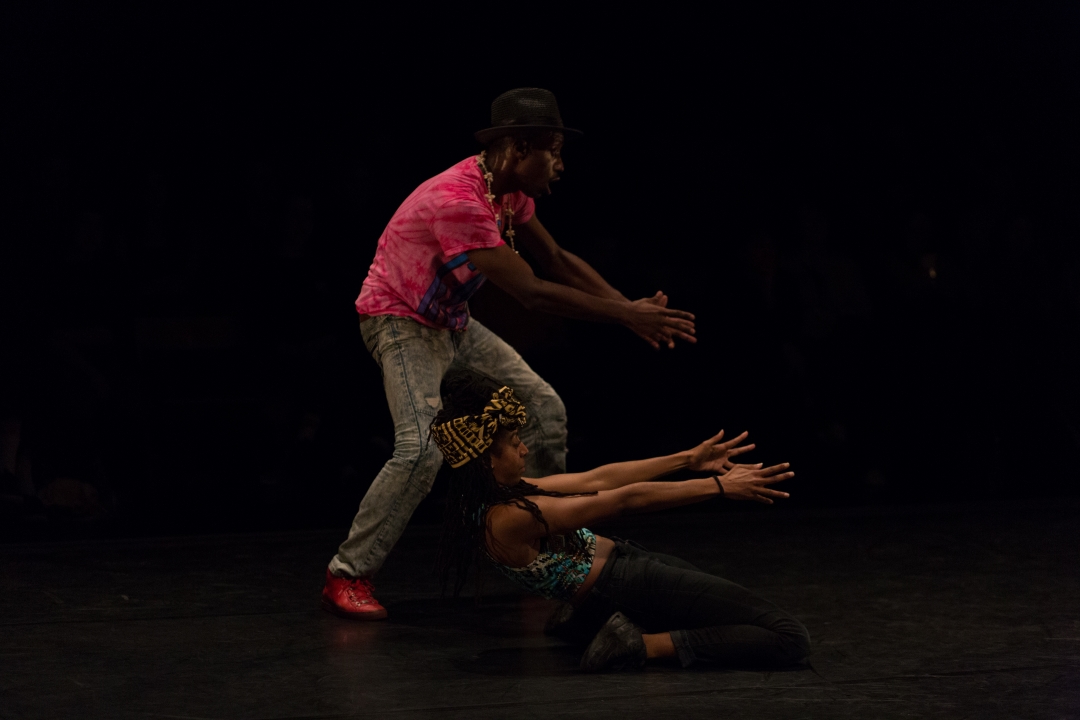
421	268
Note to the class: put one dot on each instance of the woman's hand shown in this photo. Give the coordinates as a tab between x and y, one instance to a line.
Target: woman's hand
747	482
713	456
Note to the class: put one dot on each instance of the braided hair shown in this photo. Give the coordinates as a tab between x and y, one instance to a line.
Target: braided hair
473	488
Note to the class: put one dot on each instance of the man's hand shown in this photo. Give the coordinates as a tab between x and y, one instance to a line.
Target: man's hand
713	456
654	323
747	482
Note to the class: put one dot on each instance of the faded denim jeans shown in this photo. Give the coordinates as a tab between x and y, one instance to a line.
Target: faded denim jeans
414	358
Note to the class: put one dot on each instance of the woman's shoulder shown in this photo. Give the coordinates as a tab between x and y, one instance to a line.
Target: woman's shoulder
517	517
506	509
509	533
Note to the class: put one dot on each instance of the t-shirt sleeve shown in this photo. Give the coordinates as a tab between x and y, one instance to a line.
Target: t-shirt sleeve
524	208
463	225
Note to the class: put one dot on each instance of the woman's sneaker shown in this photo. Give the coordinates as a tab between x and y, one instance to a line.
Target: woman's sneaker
618	646
351	598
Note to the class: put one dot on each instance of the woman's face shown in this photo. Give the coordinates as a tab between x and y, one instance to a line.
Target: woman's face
508	459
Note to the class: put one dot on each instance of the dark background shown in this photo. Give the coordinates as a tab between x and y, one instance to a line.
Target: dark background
873	213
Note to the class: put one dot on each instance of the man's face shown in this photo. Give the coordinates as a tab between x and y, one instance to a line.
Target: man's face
508	459
536	171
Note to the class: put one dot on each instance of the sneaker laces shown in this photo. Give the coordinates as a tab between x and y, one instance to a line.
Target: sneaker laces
366	585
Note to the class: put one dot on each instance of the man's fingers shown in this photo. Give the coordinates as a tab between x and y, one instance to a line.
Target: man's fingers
669	312
679	324
670	333
652	342
659	299
649	339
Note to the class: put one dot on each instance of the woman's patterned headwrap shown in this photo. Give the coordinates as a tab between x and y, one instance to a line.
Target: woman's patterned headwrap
465	438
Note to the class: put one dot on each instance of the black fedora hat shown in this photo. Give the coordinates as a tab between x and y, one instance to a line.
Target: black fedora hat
524	109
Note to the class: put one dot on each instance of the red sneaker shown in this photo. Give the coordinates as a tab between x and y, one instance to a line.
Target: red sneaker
351	598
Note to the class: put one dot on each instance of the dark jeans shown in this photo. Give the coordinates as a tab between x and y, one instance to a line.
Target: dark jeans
709	618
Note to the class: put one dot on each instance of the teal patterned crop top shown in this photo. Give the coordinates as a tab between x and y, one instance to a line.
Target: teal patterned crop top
560	568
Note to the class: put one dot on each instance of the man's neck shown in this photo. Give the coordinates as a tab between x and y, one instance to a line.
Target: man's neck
502	175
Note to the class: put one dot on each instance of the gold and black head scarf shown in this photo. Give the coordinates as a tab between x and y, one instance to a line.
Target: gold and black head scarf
465	438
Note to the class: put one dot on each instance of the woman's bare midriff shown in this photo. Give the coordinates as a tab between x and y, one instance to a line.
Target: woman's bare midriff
604	546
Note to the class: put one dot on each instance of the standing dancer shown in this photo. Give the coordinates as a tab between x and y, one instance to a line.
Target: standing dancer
453	232
635	605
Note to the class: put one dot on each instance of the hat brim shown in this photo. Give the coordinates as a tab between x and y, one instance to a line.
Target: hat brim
487	135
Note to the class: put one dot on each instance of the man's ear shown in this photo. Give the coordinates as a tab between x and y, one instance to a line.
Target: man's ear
521	148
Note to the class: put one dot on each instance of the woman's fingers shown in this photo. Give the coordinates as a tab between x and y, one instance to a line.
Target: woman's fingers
775	478
740	450
765	495
735	440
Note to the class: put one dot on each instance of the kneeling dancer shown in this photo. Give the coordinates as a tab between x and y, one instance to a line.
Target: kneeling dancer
534	532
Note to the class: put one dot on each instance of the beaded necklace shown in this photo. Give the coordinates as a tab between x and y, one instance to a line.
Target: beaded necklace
507	211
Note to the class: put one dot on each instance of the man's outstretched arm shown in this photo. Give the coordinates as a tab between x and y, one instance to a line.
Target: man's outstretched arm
562	265
653	322
568	269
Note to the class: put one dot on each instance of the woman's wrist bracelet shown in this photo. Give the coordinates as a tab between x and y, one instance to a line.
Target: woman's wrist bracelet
718	485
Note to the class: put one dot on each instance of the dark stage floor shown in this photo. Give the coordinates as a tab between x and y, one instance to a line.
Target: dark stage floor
965	612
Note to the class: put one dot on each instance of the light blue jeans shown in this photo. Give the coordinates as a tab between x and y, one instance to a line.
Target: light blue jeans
414	358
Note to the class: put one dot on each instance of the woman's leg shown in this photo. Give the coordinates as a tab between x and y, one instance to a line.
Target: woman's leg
581	624
675	562
708	618
748	632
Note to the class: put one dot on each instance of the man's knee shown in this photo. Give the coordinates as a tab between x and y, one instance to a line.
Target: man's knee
420	457
546	405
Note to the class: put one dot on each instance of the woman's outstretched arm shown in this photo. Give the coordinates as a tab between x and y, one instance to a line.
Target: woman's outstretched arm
710	456
743	482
